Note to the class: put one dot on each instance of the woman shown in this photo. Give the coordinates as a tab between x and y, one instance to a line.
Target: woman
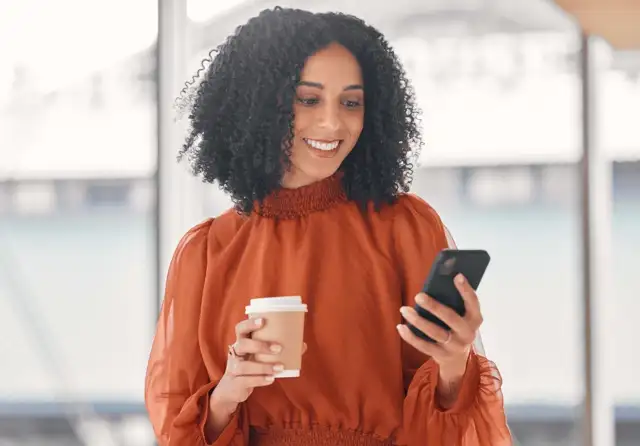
307	122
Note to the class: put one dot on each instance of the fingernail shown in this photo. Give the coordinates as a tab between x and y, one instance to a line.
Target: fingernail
278	368
275	348
258	321
404	311
399	328
420	299
460	279
269	379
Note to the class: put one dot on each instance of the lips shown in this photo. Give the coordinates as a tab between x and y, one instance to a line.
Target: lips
325	146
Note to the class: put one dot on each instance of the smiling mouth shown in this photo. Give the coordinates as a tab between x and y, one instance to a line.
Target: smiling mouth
325	147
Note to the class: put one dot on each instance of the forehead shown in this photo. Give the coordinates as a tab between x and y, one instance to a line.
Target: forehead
333	64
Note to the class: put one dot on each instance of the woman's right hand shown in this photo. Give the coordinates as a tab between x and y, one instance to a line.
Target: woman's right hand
243	373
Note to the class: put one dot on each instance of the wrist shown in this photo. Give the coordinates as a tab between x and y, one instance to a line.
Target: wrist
450	377
454	368
221	407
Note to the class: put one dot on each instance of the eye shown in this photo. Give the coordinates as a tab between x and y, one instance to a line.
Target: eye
308	102
352	104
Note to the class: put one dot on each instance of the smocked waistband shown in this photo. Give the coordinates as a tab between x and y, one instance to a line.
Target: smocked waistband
314	437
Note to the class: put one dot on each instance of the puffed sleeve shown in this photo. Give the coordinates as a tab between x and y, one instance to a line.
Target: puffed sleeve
177	384
477	417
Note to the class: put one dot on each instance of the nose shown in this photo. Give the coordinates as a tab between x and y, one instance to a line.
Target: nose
329	118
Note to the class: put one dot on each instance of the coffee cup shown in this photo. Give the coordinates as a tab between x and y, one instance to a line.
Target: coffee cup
284	325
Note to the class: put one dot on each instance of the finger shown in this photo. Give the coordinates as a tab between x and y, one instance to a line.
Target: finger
471	301
248	346
249	382
254	368
432	330
248	326
444	313
428	348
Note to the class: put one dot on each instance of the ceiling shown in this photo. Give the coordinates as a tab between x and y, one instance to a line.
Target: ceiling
433	16
617	21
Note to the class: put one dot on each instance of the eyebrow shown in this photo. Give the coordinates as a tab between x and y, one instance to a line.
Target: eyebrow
320	86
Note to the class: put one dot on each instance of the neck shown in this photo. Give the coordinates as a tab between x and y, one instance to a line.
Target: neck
295	180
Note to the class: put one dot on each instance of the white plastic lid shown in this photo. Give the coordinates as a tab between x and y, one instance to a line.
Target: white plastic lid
273	304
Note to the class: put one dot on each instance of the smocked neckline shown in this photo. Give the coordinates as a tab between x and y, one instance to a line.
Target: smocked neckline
302	201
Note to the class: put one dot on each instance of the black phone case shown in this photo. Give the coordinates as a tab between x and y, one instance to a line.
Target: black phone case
439	284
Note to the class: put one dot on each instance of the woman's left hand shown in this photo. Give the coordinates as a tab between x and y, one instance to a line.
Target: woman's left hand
452	347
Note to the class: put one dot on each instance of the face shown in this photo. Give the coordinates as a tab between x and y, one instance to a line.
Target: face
329	115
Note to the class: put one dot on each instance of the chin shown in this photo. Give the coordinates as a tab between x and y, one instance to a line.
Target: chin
308	168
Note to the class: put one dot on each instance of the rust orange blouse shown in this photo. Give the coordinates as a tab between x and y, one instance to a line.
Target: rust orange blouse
360	383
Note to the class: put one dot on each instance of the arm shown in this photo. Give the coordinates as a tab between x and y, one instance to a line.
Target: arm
177	385
460	405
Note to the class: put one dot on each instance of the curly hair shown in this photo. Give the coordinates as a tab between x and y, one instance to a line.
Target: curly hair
241	110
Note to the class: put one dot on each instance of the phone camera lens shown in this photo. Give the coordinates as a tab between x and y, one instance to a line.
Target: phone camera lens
447	266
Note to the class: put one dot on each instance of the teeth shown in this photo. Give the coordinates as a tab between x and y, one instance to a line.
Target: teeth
322	145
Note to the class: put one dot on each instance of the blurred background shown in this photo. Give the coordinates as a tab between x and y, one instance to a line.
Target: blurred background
92	203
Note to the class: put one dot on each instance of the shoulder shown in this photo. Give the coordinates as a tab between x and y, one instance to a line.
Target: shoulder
416	223
193	244
211	235
224	228
409	209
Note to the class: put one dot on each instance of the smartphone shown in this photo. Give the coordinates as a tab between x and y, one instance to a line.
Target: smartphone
472	263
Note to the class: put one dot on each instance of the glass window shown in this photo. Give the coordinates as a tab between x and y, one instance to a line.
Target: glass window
618	102
501	107
104	194
77	152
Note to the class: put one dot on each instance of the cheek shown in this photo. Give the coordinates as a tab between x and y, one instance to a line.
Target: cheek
355	124
302	119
